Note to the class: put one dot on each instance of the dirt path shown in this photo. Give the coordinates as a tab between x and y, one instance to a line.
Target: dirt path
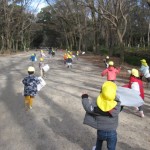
55	122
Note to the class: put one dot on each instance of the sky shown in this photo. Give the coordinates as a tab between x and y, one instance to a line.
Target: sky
38	4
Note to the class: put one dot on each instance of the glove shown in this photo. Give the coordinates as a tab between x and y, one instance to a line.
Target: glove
84	96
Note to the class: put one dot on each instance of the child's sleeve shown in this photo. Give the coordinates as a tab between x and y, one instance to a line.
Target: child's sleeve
104	72
118	70
24	81
87	105
37	80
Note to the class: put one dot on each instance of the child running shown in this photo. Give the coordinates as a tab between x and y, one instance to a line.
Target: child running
33	58
77	55
65	58
106	60
111	72
30	87
69	60
136	83
145	71
41	65
103	115
42	54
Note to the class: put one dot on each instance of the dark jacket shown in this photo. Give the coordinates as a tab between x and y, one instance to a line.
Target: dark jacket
98	119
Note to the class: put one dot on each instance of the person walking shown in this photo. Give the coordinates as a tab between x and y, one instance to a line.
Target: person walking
30	87
102	114
111	72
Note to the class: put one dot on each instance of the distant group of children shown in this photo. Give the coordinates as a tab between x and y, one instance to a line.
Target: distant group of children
135	81
68	58
103	113
30	82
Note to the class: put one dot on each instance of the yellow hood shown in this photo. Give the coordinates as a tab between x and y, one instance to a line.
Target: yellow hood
106	99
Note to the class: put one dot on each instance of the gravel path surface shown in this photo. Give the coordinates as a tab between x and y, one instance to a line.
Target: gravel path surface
56	120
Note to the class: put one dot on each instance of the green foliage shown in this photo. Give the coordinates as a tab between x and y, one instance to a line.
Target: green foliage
116	51
90	48
133	58
103	50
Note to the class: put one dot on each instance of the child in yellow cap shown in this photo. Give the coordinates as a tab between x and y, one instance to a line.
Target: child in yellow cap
41	65
33	58
136	83
145	71
30	87
42	54
69	60
77	54
102	114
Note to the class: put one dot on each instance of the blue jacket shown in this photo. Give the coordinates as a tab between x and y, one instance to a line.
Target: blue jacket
32	58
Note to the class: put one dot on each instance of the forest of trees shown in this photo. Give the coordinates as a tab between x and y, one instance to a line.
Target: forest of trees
88	25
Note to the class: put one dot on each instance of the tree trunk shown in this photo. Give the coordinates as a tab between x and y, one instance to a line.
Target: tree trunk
148	36
121	45
2	48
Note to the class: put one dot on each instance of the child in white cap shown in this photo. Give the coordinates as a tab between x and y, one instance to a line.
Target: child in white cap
106	60
30	87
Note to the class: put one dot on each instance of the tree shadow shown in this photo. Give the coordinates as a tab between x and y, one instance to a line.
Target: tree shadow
31	131
67	126
125	146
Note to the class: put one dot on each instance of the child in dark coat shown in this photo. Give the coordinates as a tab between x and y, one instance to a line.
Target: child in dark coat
103	114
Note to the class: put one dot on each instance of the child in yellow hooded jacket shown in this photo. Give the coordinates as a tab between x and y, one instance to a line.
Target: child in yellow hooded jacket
103	114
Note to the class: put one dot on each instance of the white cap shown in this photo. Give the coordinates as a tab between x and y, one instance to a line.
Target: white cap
31	69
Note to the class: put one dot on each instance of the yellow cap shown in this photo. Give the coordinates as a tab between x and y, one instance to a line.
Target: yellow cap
31	69
135	72
69	56
107	57
111	63
41	59
143	60
106	99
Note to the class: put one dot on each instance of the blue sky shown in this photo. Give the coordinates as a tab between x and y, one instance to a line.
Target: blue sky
38	4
